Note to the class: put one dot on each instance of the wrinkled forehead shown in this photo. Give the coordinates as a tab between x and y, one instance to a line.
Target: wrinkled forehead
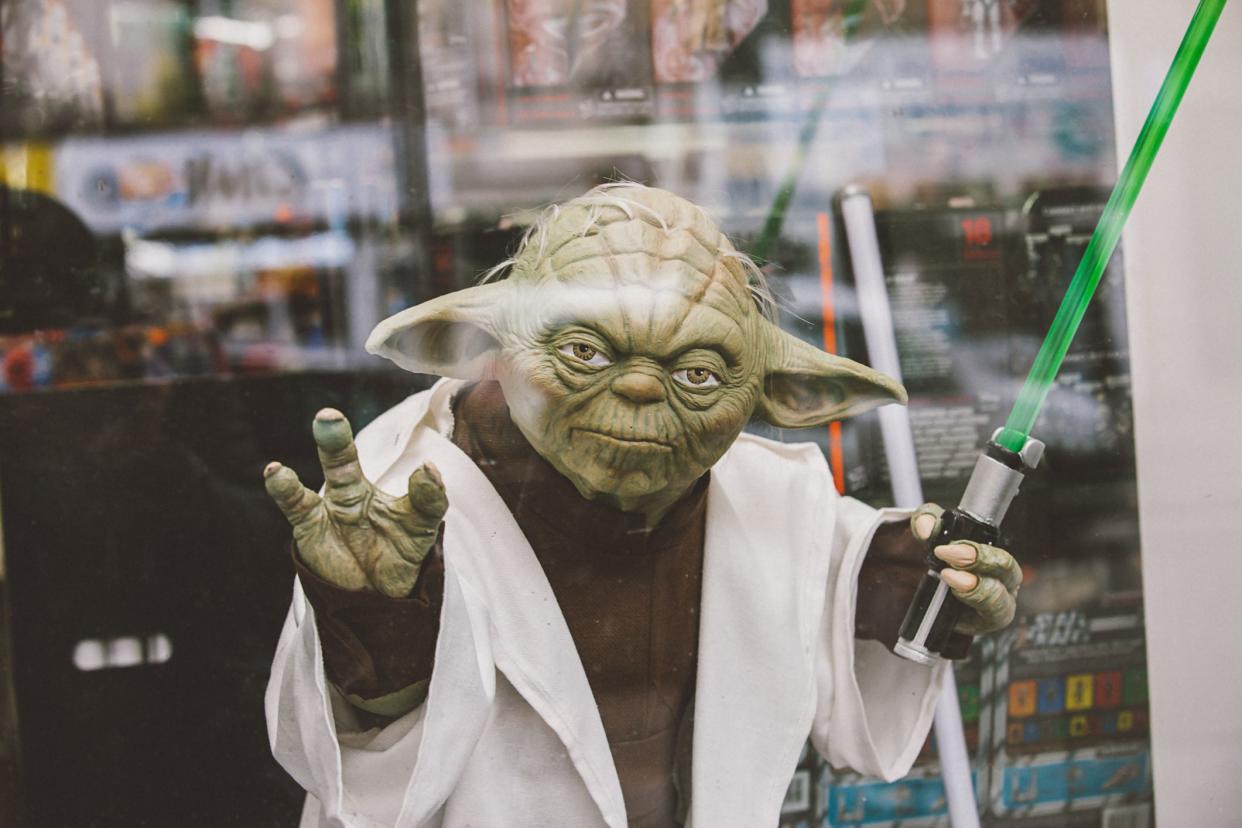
635	256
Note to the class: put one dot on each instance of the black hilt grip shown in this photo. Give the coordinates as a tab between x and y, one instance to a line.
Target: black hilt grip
955	525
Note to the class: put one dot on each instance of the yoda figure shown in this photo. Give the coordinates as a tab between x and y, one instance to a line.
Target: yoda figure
562	587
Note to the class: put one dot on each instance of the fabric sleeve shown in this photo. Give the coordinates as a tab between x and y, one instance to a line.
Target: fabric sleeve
366	777
358	775
377	648
875	708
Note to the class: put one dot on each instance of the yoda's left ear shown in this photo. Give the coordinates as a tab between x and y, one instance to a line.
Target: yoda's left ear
805	386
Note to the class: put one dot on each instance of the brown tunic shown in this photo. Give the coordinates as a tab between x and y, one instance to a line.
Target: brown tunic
630	597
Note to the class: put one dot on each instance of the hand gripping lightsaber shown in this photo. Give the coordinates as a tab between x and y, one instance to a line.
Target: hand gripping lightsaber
927	633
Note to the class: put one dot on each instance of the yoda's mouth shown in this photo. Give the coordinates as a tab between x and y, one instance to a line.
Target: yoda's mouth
629	443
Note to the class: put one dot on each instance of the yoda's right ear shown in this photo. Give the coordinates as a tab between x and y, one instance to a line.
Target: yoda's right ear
454	335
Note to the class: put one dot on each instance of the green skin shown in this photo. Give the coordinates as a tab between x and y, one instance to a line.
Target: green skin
631	355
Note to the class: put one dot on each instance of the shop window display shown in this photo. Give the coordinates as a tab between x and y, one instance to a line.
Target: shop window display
207	207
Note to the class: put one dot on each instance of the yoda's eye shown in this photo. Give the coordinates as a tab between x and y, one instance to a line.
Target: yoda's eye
584	353
697	377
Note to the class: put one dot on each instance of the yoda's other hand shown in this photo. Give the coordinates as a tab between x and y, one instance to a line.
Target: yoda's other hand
984	578
354	535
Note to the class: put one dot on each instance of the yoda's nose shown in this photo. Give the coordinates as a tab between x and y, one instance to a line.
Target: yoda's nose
639	387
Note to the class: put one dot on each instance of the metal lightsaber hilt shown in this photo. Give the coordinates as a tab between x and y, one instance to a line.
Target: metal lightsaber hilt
927	633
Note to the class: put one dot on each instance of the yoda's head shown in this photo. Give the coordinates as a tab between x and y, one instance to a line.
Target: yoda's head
632	346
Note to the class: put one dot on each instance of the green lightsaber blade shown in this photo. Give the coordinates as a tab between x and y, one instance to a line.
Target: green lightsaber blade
1108	231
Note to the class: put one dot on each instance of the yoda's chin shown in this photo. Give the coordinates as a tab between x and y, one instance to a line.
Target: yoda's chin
627	485
627	494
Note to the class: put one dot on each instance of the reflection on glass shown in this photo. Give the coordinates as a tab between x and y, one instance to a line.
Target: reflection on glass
244	188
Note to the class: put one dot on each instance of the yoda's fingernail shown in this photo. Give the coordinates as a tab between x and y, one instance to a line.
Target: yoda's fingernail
959	581
271	468
281	483
433	473
923	526
957	554
331	430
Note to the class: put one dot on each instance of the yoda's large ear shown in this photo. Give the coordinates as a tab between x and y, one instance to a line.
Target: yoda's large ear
806	387
454	335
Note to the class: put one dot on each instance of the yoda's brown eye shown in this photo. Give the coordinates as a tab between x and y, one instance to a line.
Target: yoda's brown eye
585	353
697	377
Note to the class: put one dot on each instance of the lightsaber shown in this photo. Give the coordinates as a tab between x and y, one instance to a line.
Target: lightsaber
927	633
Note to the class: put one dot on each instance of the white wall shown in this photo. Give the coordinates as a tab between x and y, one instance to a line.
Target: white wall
1183	249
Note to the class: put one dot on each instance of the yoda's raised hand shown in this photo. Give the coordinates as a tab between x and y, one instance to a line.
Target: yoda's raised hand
356	536
984	578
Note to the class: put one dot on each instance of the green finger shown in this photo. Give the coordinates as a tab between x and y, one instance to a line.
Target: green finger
993	562
339	456
420	514
935	512
993	607
295	500
426	491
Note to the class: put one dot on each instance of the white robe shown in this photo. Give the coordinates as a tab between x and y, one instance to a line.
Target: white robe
510	735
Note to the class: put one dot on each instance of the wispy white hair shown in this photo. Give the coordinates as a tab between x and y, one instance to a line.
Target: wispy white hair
533	250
